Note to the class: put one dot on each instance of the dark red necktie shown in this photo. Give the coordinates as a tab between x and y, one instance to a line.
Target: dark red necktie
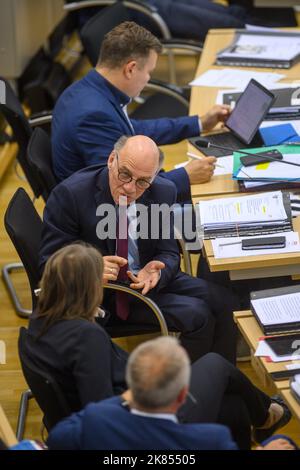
122	304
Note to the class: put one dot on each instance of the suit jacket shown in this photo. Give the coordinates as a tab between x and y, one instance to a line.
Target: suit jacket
88	119
70	215
110	426
80	356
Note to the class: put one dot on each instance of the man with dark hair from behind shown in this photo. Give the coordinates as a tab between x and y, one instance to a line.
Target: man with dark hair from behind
158	375
91	114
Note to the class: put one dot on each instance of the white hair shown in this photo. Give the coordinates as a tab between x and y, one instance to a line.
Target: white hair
157	371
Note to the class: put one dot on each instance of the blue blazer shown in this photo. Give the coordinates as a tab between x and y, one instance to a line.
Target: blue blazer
70	215
88	119
107	425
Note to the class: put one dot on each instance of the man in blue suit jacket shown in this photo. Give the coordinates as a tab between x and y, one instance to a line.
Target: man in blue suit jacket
77	210
158	374
91	114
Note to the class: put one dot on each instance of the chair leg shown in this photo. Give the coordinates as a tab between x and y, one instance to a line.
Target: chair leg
6	271
22	413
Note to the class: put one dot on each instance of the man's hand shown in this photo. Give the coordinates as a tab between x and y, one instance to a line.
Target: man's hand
277	444
200	171
112	265
147	278
218	113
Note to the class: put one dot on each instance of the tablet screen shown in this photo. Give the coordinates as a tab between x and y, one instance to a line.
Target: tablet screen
249	111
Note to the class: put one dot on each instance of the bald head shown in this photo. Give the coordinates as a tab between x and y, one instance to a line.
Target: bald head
156	373
136	160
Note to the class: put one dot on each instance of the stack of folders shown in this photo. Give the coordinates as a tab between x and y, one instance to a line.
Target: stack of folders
268	175
258	214
277	310
278	49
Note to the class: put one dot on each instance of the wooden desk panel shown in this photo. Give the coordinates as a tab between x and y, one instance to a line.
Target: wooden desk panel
292	403
251	331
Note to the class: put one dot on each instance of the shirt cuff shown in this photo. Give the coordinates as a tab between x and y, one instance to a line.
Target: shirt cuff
200	125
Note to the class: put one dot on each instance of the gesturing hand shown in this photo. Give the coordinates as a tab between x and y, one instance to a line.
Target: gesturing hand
147	278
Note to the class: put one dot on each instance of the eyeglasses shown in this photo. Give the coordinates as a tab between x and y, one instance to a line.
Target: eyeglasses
126	177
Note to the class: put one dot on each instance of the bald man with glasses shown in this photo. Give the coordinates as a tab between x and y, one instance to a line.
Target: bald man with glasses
95	204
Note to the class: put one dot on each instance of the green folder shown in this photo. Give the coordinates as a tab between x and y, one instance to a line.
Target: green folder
287	149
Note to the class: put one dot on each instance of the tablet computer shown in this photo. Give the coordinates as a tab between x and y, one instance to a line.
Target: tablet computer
285	345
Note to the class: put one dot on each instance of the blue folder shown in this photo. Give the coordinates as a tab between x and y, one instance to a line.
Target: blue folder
279	134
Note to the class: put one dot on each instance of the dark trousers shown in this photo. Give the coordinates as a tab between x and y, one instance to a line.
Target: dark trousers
224	395
201	311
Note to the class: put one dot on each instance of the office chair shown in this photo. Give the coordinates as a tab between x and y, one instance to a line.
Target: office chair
43	387
39	154
152	20
13	112
24	227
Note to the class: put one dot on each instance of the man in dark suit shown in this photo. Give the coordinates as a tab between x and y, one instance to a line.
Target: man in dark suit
91	114
84	207
159	402
194	18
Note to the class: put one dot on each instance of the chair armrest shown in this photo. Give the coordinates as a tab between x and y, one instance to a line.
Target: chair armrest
185	44
152	305
39	119
168	89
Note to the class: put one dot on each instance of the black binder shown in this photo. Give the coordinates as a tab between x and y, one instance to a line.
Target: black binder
276	328
223	59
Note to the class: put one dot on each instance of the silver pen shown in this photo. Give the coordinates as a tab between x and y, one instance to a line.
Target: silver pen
230	243
197	157
291	143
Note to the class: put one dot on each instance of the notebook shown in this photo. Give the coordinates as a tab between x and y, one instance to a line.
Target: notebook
276	49
243	122
277	310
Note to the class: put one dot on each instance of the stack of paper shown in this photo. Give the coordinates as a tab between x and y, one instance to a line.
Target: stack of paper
229	78
248	215
268	49
273	174
264	350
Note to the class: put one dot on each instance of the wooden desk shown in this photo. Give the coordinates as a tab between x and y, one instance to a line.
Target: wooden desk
251	331
203	98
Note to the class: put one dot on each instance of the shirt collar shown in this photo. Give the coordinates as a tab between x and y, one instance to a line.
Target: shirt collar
100	81
168	416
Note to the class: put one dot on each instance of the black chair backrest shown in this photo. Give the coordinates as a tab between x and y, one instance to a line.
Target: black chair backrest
93	32
45	389
24	227
12	110
40	158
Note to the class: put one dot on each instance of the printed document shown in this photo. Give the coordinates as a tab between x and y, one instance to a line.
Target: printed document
265	207
229	78
273	170
278	310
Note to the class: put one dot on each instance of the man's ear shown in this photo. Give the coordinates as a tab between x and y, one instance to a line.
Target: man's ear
110	159
129	68
181	397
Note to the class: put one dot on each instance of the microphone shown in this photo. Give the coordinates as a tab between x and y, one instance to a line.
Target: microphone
266	158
